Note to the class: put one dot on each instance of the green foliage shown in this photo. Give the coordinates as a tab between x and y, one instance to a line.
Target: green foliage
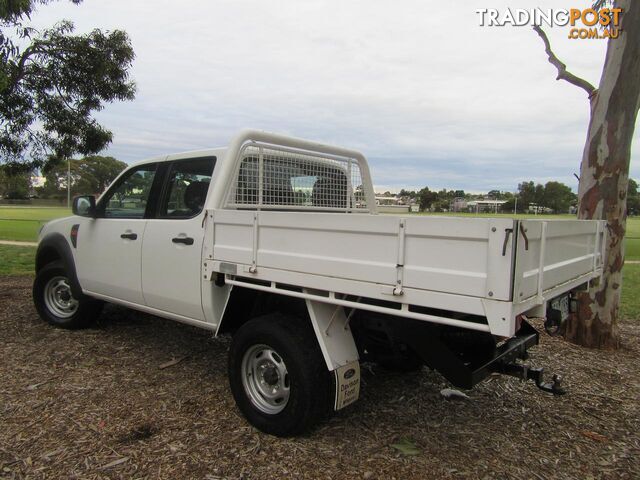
51	82
526	195
426	197
96	173
558	197
408	193
14	185
89	176
11	11
495	194
554	195
633	198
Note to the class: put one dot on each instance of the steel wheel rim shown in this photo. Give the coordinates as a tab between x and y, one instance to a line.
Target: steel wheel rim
58	297
265	379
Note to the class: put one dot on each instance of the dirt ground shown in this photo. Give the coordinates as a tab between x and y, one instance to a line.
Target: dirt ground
96	404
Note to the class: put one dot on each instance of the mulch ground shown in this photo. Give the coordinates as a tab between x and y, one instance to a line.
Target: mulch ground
96	404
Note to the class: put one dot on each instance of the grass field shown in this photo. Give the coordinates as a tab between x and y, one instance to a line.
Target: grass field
23	223
632	241
630	288
17	260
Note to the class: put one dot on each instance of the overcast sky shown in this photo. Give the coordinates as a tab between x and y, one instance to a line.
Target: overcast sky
426	93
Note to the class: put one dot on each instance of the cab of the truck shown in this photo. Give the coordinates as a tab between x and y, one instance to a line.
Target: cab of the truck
140	243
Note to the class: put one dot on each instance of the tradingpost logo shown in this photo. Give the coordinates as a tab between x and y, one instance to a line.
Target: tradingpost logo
587	23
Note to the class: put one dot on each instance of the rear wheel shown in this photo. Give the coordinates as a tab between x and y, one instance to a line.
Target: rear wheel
55	302
278	376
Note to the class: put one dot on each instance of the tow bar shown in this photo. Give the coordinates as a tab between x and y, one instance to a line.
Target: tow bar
525	372
465	372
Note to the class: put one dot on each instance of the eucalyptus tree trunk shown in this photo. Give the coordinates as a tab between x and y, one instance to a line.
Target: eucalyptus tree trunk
604	175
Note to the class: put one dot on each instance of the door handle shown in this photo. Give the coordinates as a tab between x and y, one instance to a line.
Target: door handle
183	240
129	236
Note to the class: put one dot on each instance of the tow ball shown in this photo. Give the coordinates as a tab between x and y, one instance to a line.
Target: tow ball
525	372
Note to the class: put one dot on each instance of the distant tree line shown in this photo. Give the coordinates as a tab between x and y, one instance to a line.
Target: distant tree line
552	196
89	175
93	174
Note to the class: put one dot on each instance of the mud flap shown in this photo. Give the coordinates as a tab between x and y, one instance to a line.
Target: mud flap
347	384
331	326
332	330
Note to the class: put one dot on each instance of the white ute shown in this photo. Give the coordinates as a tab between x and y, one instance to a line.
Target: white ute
276	241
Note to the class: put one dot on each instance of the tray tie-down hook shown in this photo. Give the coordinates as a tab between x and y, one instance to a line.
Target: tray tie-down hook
507	234
525	372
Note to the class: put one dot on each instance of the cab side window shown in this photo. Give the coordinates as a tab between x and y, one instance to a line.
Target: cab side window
129	197
186	188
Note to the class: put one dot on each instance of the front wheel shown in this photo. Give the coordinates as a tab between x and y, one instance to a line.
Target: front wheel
278	376
55	302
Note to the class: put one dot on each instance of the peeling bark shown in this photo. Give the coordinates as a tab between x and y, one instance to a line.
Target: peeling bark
604	174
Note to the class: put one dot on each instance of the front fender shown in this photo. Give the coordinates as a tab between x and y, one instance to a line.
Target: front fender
54	246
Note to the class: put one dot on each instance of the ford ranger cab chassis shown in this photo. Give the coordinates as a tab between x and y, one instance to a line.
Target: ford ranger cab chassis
277	242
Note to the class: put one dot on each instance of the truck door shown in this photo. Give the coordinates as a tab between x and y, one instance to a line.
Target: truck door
109	248
172	247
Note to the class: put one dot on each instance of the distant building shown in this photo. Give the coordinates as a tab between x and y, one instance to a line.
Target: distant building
37	181
478	206
459	204
535	208
388	204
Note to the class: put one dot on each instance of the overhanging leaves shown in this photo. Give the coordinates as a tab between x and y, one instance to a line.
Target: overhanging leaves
50	88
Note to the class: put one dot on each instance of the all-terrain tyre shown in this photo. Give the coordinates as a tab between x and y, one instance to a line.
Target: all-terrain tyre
278	376
55	302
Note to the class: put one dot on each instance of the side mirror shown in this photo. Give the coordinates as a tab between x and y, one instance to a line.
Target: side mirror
84	206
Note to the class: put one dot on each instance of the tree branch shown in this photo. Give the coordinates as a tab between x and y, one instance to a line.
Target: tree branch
65	101
20	66
563	74
37	48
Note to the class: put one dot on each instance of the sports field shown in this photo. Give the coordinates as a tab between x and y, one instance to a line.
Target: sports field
23	223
